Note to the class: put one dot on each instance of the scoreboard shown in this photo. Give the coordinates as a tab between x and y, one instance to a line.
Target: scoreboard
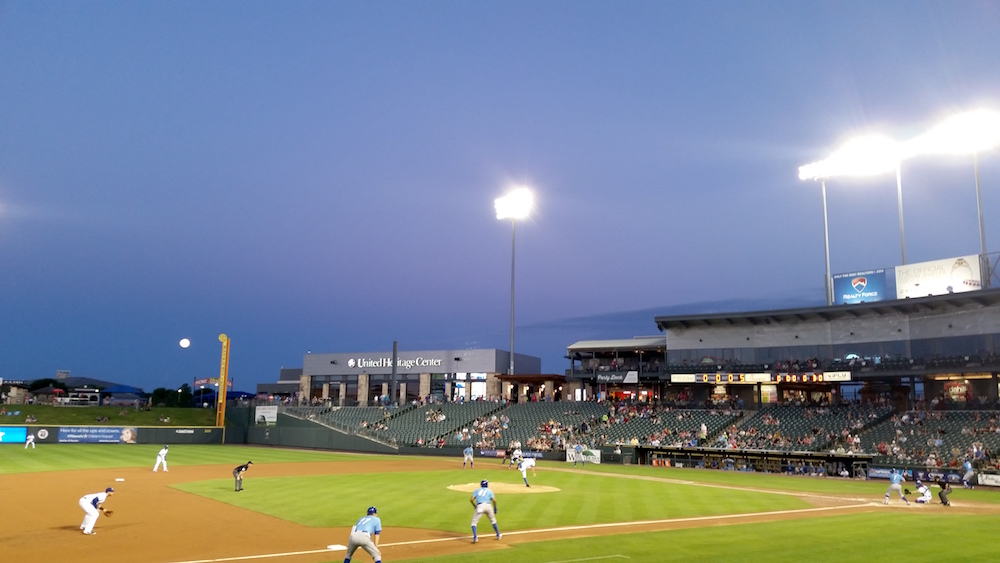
722	378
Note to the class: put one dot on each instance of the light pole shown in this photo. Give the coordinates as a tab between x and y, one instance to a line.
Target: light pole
863	156
970	132
899	199
515	205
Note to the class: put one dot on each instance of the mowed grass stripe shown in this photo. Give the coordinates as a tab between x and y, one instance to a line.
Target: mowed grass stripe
423	499
889	536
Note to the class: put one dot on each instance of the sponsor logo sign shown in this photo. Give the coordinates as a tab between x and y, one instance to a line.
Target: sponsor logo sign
267	414
859	287
97	435
939	277
13	434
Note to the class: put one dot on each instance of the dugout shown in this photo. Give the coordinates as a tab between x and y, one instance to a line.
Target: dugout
767	461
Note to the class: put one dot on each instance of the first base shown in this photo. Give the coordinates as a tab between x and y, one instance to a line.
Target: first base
120	479
336	546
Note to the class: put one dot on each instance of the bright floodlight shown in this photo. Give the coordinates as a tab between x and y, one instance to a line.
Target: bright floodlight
864	156
966	133
515	205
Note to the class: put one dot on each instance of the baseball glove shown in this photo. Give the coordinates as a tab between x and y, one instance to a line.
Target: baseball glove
907	492
108	513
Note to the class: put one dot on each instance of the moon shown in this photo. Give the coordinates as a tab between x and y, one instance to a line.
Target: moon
185	342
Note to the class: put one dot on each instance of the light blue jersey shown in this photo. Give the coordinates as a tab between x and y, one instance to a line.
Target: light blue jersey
482	495
967	466
369	524
467	450
896	479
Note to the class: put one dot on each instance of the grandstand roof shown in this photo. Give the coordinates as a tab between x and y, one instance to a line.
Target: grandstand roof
933	304
654	343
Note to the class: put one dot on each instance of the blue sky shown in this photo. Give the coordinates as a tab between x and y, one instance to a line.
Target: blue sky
321	175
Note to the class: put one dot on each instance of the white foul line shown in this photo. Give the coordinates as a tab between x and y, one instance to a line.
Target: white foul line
592	559
546	530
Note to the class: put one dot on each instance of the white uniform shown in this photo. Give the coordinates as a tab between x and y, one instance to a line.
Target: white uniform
925	494
516	457
525	464
161	459
89	504
30	440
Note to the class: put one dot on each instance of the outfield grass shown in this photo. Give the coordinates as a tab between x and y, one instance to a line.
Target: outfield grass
71	457
49	415
598	494
403	499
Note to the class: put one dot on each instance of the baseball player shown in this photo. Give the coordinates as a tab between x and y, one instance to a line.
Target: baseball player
238	474
486	503
896	479
467	452
161	459
968	474
30	440
925	493
578	450
365	534
523	467
92	507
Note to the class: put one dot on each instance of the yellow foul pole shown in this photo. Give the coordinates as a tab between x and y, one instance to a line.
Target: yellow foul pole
220	411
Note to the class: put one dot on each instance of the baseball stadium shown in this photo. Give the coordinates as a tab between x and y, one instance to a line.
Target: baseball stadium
767	435
864	429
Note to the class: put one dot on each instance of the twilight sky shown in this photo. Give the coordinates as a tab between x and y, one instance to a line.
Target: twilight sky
321	175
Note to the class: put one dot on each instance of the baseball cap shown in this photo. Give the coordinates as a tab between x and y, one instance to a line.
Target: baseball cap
109	490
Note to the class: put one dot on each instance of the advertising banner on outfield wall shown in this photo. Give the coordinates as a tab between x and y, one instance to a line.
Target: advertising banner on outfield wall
939	277
861	287
266	414
13	434
97	435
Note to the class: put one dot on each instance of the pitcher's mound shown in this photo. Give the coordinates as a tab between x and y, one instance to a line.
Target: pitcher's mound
506	488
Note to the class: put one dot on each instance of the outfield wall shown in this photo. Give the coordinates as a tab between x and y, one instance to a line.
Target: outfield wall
113	434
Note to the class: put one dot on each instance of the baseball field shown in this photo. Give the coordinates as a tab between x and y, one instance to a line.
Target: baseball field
298	506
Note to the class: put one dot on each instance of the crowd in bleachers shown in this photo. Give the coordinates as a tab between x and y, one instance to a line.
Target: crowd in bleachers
938	439
792	427
925	437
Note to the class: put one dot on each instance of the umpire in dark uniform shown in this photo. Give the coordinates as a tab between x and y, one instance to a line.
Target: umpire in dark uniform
238	474
944	492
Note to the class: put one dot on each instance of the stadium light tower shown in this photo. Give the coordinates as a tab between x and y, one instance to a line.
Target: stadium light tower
515	205
970	132
863	156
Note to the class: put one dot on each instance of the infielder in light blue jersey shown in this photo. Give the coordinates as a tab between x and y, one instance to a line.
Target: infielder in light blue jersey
486	503
967	475
365	534
896	479
468	457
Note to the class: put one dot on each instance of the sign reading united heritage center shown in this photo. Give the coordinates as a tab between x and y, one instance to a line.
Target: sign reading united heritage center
386	362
